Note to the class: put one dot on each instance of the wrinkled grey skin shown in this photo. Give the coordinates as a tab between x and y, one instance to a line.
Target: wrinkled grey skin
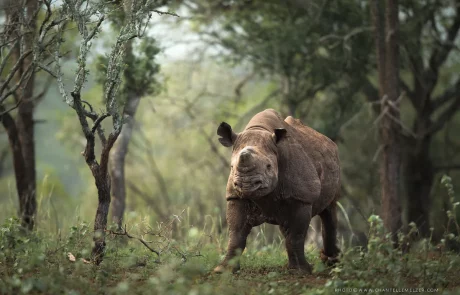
282	173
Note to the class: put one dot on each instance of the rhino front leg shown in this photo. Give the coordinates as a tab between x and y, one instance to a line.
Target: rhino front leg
239	229
294	231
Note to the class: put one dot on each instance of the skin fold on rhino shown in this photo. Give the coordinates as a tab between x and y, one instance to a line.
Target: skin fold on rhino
282	173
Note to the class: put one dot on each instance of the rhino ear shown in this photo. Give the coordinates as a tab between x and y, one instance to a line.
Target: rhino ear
279	134
228	136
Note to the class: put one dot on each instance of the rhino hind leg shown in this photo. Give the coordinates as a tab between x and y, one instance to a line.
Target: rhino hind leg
330	251
294	231
240	219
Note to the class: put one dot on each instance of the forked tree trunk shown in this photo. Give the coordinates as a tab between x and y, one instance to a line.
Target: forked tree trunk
100	174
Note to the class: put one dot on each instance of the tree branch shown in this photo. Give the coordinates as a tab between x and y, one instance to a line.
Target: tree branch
448	95
440	53
125	233
13	72
445	116
99	121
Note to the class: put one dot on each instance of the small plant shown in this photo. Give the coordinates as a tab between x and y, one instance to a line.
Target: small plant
381	265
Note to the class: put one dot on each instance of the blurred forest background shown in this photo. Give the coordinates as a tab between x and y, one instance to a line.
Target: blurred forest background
226	61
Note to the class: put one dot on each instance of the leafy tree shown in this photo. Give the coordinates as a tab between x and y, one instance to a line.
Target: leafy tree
139	80
325	46
89	17
305	46
429	34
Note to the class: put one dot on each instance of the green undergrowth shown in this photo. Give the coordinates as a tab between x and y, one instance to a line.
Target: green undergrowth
41	263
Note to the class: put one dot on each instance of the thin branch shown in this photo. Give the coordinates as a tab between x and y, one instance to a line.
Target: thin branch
48	70
99	121
448	95
441	52
11	109
242	83
14	70
25	77
164	12
7	56
125	233
89	105
445	116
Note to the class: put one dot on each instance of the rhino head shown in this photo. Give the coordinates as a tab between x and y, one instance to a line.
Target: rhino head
254	163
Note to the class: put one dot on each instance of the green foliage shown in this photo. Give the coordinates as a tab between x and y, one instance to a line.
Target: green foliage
380	265
48	263
307	47
39	263
140	71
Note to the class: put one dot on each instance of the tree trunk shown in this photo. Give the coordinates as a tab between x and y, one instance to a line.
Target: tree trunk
419	176
118	154
18	164
100	222
387	55
419	182
21	132
25	125
117	160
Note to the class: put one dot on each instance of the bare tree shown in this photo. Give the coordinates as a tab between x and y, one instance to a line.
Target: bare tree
89	17
386	39
24	46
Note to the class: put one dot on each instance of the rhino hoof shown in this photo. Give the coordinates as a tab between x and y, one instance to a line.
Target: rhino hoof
219	269
225	268
328	260
300	269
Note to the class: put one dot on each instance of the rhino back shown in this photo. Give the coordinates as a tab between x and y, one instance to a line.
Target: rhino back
268	120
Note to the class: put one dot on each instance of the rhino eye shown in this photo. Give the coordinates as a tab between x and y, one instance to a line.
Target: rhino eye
269	166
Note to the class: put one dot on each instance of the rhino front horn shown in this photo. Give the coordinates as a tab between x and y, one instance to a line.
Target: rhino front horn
245	157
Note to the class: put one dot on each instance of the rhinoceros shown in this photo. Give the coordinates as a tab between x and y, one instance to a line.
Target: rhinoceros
283	173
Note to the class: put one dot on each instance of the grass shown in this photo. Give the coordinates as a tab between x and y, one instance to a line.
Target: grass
43	262
40	264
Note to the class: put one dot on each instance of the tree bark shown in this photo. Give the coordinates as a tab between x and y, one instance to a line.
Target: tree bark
102	180
120	150
117	160
18	165
419	170
419	177
387	55
21	132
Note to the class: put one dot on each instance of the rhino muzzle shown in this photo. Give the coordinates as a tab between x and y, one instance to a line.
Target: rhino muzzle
247	186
